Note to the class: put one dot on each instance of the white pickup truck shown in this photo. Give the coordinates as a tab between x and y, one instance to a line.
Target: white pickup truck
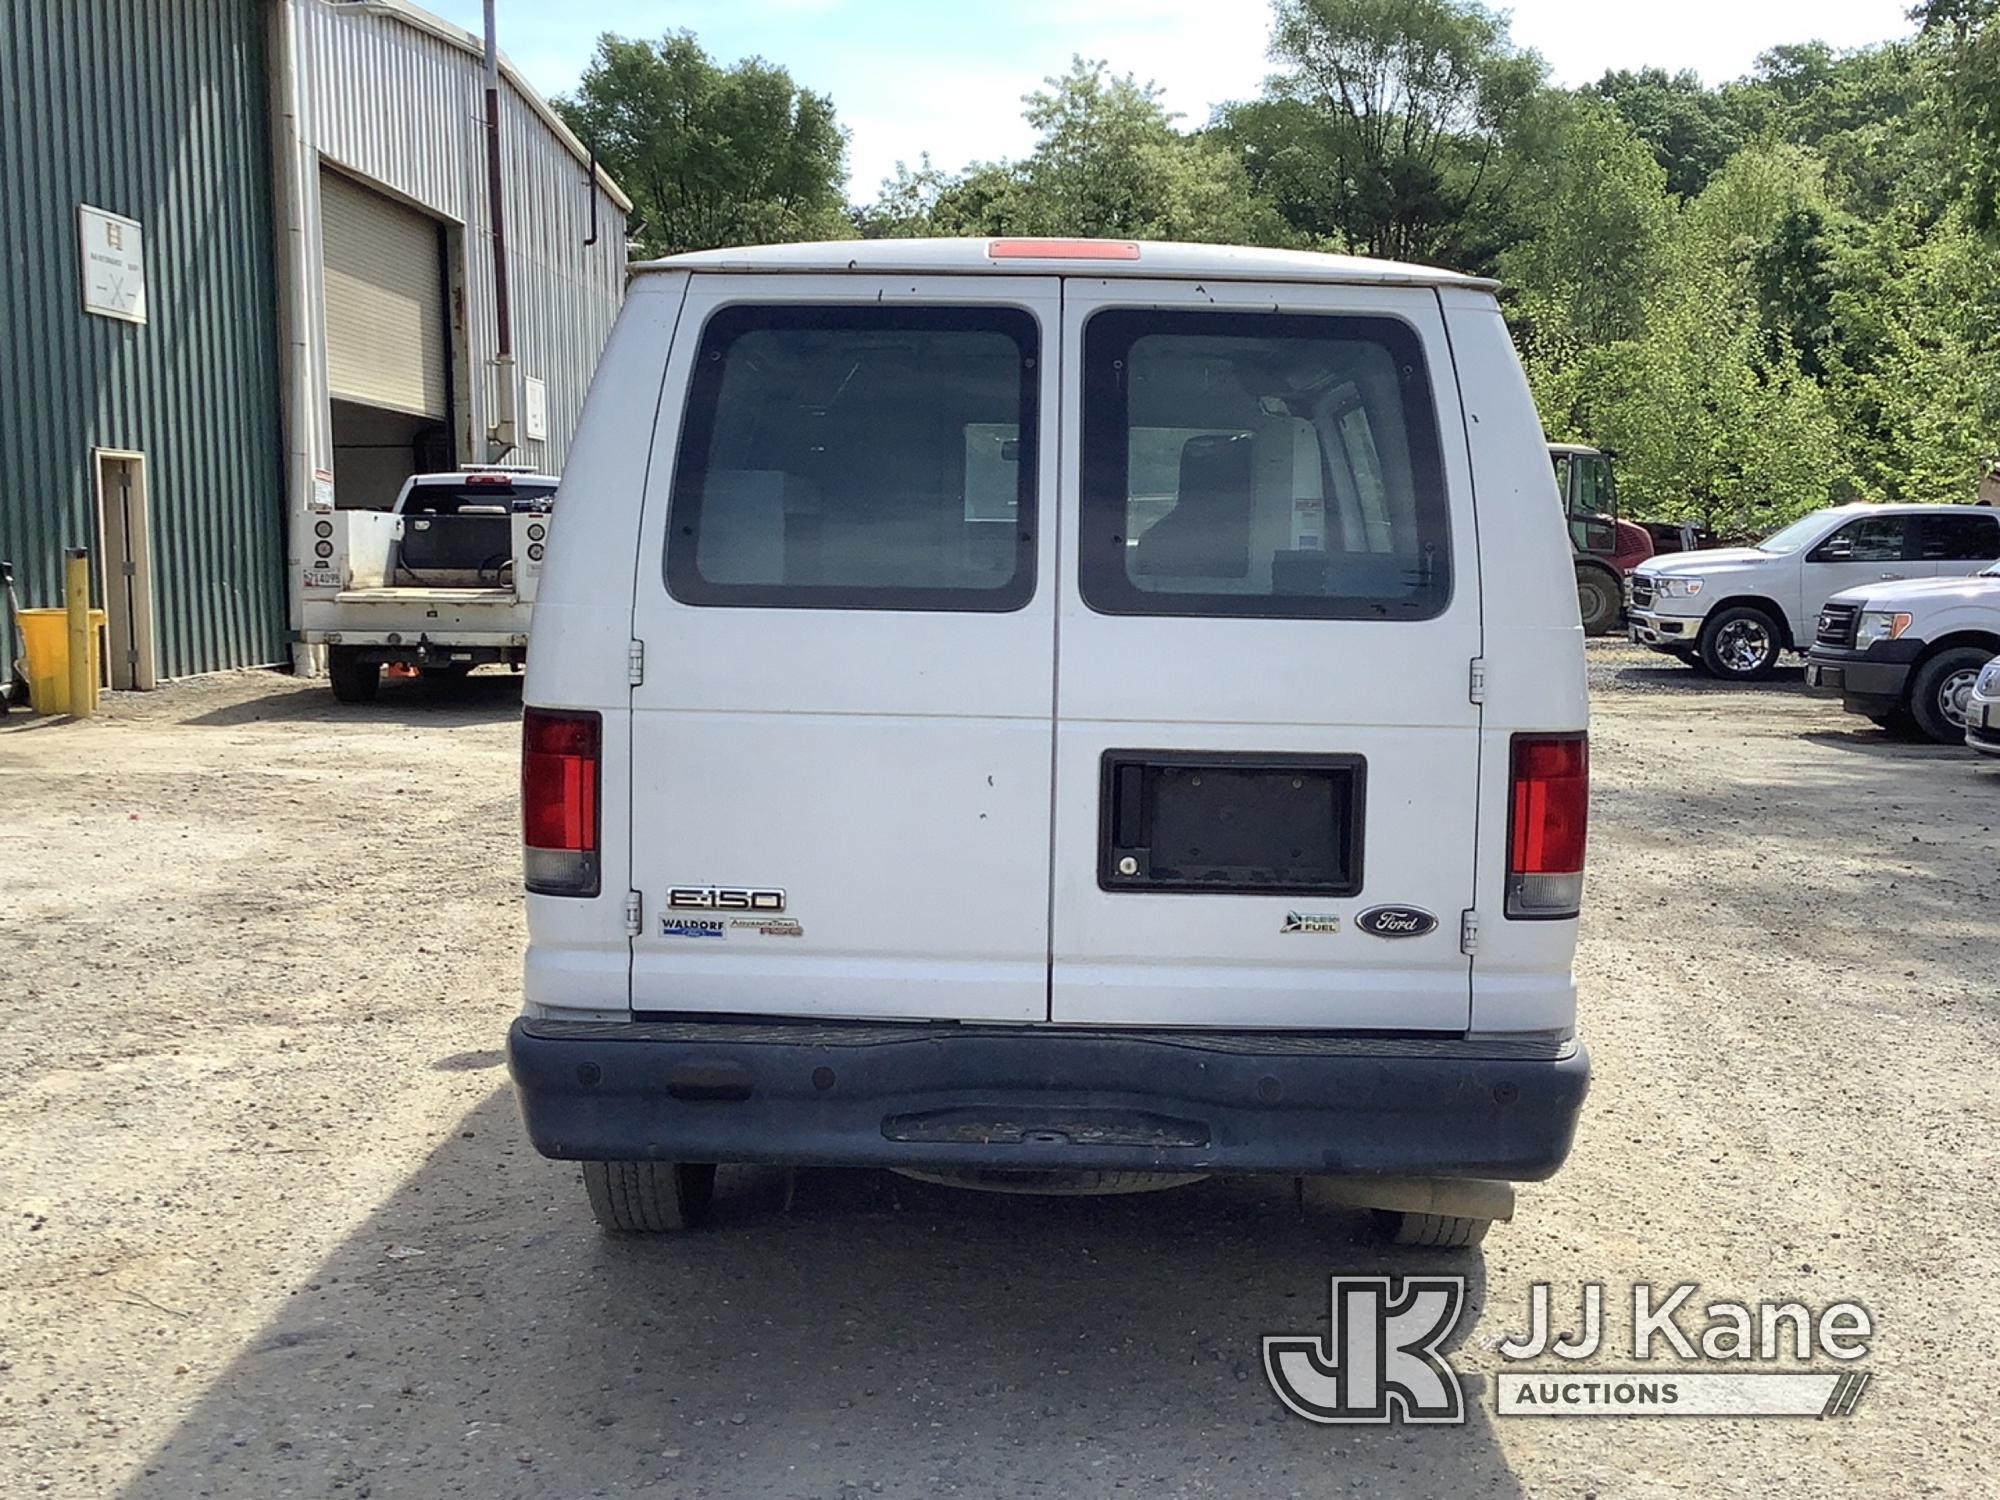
1732	611
442	582
1909	654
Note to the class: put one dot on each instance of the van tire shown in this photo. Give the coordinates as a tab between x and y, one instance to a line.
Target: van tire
1741	644
1437	1231
649	1197
353	680
1598	600
1949	674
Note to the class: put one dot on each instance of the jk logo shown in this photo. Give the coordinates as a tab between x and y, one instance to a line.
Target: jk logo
1380	1360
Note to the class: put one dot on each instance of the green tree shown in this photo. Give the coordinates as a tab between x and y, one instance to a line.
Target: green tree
1708	427
1744	203
1869	114
1791	276
1107	162
1394	127
1691	130
1919	309
1965	38
711	155
1592	223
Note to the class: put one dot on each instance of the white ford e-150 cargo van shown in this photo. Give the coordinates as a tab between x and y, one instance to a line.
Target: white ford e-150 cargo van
1055	706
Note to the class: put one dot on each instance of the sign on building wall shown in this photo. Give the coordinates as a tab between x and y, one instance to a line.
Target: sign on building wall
534	410
114	264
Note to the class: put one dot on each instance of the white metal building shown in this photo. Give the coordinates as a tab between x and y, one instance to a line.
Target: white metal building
386	285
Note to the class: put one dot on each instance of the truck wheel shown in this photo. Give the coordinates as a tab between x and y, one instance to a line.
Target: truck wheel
354	680
1597	600
1442	1231
1741	644
649	1197
1938	691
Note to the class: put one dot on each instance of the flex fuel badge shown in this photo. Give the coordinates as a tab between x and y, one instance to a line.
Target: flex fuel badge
1310	921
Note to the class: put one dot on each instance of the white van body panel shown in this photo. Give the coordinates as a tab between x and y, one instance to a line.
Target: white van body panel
888	770
790	487
1271	685
1535	676
579	962
942	767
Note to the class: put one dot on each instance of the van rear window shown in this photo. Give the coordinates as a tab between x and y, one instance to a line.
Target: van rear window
1267	464
858	457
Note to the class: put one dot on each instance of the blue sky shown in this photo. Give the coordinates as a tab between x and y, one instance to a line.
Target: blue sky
908	76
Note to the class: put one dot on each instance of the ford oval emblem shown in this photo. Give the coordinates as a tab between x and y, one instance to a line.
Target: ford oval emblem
1396	921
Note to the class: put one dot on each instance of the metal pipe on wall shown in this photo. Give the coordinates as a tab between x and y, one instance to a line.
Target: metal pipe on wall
502	434
294	323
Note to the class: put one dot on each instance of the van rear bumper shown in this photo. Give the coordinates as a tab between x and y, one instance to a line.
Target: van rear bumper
1046	1097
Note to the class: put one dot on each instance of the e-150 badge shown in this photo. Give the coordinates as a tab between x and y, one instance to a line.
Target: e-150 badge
751	898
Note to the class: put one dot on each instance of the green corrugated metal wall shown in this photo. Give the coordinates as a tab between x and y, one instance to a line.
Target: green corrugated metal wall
154	109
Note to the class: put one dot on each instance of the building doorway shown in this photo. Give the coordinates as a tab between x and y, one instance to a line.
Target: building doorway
388	341
125	569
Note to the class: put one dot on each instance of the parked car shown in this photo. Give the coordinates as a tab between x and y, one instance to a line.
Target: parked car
832	859
1907	655
1734	611
1982	710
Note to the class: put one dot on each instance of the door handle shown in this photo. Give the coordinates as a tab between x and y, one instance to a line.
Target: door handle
1888	577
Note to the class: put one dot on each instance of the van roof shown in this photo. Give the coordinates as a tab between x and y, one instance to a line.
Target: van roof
1055	257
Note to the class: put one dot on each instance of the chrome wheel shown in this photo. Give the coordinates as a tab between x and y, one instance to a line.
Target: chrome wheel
1744	645
1952	696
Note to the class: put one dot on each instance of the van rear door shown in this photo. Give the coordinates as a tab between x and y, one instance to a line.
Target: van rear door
841	745
1267	752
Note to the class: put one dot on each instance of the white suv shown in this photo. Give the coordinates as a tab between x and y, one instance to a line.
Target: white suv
1734	610
1037	707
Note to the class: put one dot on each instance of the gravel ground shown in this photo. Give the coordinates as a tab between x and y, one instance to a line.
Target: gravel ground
270	1228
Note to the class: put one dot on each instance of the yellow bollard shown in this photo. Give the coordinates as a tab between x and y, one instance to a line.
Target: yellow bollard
76	600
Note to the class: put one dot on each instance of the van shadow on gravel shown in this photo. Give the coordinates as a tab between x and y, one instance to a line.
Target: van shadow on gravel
836	1333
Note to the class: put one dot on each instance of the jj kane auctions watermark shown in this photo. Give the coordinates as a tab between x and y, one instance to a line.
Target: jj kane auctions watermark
1383	1357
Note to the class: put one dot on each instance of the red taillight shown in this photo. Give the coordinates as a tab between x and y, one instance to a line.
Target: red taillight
1550	813
1062	250
560	771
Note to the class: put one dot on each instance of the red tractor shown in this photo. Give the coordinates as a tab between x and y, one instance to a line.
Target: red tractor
1605	548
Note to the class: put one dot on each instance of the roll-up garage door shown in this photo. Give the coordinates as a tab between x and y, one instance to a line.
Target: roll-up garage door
385	325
